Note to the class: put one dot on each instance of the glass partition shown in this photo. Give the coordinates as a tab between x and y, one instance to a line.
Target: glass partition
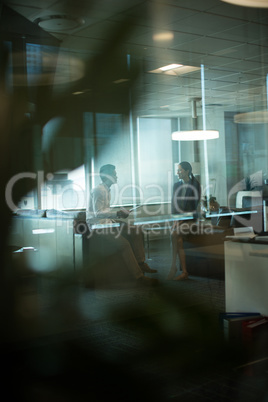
155	162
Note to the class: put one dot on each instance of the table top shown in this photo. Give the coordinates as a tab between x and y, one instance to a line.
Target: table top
155	219
161	219
231	213
146	220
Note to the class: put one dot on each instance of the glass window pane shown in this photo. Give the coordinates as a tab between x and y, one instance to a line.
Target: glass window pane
155	160
113	147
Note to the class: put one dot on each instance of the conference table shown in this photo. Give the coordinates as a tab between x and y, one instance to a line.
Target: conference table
148	224
156	223
164	223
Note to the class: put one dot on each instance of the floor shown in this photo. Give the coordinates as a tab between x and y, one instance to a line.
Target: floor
130	343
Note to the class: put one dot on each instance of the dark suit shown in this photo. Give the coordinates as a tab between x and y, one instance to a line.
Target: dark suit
186	196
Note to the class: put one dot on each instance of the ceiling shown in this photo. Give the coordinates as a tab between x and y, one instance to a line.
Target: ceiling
231	43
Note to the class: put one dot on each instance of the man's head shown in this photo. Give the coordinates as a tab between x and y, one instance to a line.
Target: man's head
108	174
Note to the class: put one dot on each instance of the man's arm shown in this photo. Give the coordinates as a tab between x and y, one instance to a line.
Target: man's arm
101	205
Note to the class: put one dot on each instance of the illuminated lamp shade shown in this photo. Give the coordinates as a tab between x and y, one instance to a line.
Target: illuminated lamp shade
249	3
195	135
258	117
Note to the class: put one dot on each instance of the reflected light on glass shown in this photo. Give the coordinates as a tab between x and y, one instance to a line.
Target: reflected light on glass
249	3
50	69
195	135
42	231
258	117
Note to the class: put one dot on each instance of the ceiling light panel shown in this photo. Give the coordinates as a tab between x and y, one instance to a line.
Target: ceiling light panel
163	36
170	67
175	70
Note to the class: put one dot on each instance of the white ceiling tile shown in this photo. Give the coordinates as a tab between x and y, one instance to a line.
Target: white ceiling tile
147	38
231	42
100	30
242	32
246	51
102	9
204	24
195	5
239	13
206	45
242	65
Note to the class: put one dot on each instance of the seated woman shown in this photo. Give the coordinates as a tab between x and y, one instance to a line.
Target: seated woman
185	198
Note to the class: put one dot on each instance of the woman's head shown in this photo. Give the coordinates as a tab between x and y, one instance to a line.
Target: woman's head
184	171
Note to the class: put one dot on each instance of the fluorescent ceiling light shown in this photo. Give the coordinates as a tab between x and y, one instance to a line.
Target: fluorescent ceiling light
249	3
163	36
258	117
195	135
174	69
170	67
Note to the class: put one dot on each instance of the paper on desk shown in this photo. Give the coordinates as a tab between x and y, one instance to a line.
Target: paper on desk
243	233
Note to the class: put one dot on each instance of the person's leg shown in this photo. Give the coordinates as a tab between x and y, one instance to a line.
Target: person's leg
181	254
173	268
124	248
177	250
134	235
110	244
184	228
131	263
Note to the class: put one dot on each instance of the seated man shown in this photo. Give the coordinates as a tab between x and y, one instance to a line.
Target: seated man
126	240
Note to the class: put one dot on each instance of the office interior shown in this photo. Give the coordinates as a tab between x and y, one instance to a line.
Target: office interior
85	83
